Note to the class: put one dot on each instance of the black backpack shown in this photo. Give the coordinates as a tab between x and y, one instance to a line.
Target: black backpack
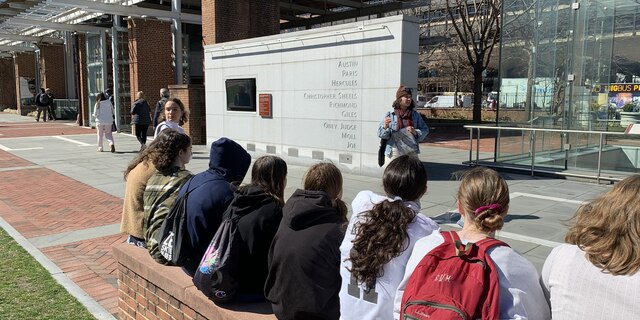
43	99
173	236
216	275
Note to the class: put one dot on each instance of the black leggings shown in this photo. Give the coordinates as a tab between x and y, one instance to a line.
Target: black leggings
141	133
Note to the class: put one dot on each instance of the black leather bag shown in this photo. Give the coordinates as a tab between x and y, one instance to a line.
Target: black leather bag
381	156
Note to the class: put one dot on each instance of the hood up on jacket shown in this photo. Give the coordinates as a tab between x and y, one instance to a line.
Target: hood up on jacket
228	159
308	208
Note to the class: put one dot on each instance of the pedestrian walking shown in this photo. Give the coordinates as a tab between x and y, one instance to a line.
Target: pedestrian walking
42	105
141	118
51	107
103	113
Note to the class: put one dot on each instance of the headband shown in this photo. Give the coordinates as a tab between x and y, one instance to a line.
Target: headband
497	208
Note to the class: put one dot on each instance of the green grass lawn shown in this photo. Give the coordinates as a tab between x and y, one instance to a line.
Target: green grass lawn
27	290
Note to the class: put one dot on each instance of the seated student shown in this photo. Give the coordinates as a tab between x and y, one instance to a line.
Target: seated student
138	172
258	206
163	186
304	260
379	240
211	194
483	202
595	275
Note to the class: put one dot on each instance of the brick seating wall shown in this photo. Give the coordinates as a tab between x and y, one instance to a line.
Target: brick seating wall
149	290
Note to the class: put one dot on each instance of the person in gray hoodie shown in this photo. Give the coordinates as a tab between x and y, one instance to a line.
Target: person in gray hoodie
213	190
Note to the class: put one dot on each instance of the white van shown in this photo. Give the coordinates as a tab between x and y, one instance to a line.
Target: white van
421	101
447	102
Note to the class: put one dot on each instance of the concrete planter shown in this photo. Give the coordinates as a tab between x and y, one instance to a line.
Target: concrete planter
627	118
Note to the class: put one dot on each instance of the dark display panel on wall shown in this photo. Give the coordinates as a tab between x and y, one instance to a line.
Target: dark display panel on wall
241	94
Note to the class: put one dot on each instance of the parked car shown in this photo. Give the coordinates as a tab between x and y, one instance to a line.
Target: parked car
421	101
447	102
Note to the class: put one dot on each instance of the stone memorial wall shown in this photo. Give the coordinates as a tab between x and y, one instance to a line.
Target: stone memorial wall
329	88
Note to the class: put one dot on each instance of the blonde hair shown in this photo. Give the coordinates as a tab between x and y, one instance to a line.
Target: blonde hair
481	187
608	229
325	176
140	95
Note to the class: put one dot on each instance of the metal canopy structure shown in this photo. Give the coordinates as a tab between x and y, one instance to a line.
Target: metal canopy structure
307	13
23	22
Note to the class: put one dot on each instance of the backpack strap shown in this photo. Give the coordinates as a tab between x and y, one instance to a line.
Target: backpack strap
461	248
488	243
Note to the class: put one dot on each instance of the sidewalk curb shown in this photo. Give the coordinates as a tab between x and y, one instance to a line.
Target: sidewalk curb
93	306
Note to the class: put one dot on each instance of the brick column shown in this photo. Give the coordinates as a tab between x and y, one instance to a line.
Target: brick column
8	85
236	20
52	66
192	95
83	114
150	58
25	66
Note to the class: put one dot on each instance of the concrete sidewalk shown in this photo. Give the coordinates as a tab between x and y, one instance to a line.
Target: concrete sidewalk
62	200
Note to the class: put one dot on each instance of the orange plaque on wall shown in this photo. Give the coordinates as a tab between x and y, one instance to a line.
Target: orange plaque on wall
264	101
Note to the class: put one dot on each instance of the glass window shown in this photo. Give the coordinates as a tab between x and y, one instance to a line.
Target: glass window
241	94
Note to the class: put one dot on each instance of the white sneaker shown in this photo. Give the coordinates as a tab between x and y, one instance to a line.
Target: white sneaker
100	149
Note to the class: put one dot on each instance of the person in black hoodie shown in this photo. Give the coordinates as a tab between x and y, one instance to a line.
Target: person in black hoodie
304	259
228	163
258	207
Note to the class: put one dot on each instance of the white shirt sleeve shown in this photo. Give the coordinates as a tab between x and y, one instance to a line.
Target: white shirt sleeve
422	247
546	273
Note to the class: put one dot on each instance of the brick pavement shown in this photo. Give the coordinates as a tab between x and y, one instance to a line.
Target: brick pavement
39	202
50	128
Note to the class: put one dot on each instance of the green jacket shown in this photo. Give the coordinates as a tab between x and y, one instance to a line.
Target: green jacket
159	195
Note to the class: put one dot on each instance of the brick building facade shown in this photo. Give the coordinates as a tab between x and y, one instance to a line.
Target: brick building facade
25	66
52	69
8	85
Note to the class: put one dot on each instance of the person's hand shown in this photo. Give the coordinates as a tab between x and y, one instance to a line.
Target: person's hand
387	120
411	130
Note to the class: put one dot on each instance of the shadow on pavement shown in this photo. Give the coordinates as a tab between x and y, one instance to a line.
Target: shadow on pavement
443	171
510	217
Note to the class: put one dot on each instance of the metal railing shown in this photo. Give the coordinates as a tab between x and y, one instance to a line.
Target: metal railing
66	108
532	145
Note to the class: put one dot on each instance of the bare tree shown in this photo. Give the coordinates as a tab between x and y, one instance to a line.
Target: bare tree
440	50
477	25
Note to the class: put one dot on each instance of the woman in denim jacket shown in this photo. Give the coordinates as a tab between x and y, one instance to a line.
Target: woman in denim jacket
403	128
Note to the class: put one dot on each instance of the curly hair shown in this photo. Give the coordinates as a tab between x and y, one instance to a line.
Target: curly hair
608	229
325	176
162	152
185	114
170	143
381	234
143	157
270	174
482	187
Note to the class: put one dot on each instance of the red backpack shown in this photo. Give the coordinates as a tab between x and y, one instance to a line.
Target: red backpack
454	281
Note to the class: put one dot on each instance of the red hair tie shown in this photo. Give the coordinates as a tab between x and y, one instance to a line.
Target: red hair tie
497	208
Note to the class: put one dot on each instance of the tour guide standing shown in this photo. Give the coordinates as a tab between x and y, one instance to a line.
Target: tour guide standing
403	127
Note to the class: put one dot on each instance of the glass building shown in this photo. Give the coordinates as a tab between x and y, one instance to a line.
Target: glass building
570	80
